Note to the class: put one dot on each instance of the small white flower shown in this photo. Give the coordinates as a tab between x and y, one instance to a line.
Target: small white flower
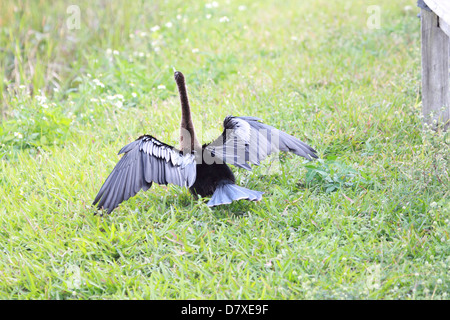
155	28
119	96
169	24
208	16
242	8
157	49
143	34
94	100
18	135
179	17
109	51
433	204
131	36
195	50
98	83
115	52
133	94
224	19
161	87
118	104
213	4
41	98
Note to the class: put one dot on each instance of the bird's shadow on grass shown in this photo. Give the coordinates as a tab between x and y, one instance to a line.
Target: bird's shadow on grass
198	206
182	202
237	208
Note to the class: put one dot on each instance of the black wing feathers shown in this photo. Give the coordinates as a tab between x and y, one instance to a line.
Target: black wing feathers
247	140
146	160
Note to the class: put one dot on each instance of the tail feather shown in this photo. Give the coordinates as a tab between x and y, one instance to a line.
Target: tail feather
227	193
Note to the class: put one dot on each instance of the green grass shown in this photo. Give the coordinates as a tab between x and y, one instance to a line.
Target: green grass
367	221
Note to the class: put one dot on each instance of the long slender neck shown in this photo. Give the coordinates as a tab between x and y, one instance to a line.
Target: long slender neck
188	138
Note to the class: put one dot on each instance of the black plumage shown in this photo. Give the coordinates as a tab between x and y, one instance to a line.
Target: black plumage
202	169
145	161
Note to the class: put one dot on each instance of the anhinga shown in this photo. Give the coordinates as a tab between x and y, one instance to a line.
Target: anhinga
203	169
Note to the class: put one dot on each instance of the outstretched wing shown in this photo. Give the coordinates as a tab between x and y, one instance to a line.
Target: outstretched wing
146	160
247	140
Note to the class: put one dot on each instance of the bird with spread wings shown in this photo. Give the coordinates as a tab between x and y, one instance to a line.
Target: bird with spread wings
202	169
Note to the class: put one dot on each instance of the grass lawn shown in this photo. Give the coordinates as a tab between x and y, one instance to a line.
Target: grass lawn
368	220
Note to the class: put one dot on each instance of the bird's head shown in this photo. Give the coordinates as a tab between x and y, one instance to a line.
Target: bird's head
179	77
